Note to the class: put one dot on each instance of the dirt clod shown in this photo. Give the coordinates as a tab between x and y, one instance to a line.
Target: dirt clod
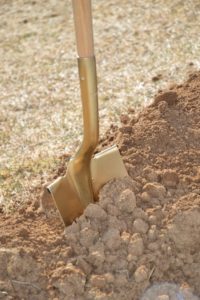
170	178
140	226
155	189
127	201
170	97
141	274
136	245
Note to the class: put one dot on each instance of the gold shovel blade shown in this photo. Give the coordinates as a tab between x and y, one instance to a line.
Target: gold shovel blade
105	166
66	199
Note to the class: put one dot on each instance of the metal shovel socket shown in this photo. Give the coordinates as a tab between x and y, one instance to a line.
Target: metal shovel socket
86	175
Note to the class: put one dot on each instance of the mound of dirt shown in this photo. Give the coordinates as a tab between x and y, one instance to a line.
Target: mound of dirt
145	228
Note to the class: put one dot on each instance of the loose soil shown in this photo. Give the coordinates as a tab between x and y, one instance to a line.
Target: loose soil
145	228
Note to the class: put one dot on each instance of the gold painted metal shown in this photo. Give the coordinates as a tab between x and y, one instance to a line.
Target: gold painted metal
74	192
105	166
86	174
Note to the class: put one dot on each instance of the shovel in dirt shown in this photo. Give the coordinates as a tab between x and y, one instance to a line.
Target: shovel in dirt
86	172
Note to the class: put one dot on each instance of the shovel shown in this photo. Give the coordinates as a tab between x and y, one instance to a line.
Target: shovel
86	172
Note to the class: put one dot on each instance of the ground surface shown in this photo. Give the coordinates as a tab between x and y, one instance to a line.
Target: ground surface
141	240
39	84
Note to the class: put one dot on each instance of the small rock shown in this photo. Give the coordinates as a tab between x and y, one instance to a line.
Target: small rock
150	174
170	178
145	197
156	77
96	256
125	237
98	281
155	189
94	211
152	219
185	229
71	281
112	238
140	226
136	245
170	97
127	201
141	274
131	259
139	213
109	277
152	233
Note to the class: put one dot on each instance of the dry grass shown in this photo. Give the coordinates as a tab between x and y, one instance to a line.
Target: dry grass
40	106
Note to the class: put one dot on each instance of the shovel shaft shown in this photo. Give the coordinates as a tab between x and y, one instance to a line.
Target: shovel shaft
80	166
79	169
89	98
83	27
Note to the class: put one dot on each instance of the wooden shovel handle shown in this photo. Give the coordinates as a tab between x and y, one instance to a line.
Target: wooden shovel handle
83	26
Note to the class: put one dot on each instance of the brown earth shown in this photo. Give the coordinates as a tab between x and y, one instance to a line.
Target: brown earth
144	230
